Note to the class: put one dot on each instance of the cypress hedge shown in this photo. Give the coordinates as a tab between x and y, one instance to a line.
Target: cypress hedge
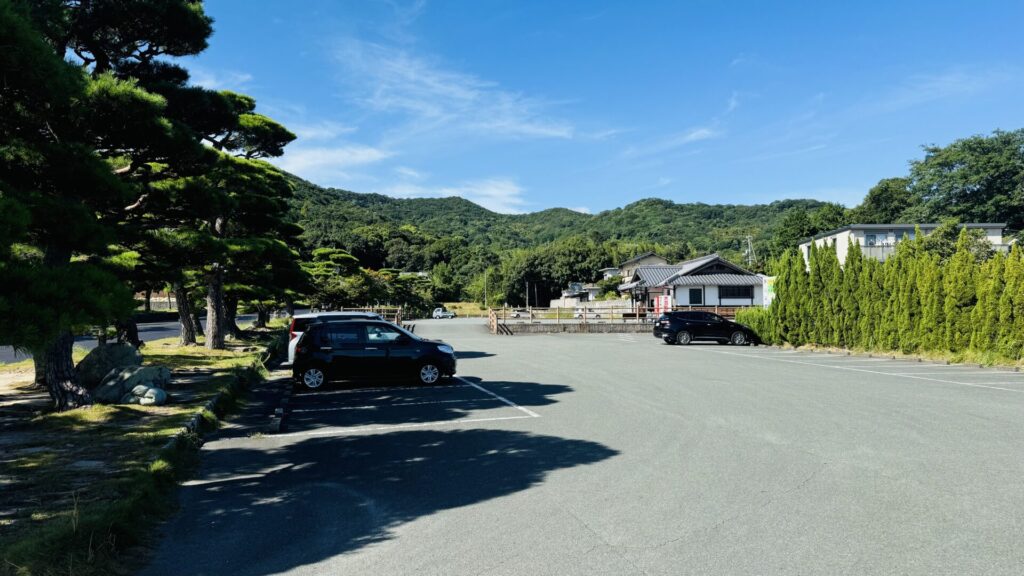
913	302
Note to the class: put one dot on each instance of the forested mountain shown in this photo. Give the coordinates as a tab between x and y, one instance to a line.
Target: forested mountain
331	217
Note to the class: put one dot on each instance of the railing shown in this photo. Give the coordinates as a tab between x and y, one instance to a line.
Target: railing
883	251
580	315
390	313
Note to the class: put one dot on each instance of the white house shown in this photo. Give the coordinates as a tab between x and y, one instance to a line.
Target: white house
879	241
706	281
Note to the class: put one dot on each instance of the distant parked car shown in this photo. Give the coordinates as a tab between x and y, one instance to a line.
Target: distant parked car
580	312
442	313
300	321
368	349
691	325
520	313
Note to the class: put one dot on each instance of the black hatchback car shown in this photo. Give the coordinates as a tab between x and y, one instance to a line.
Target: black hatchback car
370	350
690	325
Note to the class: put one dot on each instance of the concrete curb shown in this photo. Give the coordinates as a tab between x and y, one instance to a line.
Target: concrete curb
194	422
278	418
843	351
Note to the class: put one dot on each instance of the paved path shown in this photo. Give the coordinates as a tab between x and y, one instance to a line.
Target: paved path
617	454
147	332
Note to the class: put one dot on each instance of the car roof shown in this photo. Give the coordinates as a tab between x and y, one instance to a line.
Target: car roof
336	315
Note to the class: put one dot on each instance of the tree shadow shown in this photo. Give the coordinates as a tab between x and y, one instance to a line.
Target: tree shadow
264	508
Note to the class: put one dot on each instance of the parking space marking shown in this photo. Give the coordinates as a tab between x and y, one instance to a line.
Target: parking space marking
531	413
375	406
338	431
866	371
387	389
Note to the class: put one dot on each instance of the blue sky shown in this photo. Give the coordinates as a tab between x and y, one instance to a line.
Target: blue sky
524	105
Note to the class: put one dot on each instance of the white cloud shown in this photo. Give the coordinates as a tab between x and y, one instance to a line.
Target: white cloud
496	194
581	210
924	88
224	80
433	97
328	165
409	173
734	103
325	130
673	142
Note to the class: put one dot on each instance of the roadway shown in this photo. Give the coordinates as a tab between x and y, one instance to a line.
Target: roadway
147	333
616	454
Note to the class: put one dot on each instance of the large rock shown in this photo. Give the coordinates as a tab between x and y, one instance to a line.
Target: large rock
146	396
121	382
102	359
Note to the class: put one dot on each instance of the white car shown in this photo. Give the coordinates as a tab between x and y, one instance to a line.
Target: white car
442	313
589	313
300	321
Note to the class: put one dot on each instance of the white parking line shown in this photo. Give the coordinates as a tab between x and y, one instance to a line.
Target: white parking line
387	389
866	371
389	405
505	400
334	431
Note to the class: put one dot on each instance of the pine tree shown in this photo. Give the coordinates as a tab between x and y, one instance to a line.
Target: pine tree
849	304
929	280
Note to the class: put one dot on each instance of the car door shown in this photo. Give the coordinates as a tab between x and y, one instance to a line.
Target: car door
346	342
717	327
401	351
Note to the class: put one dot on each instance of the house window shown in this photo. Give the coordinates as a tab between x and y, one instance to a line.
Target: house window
696	296
870	239
745	292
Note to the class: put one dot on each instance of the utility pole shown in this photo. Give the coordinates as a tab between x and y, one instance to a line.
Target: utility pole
527	282
751	255
486	270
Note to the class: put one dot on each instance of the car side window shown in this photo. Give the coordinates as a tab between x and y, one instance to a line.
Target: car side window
345	334
712	317
376	334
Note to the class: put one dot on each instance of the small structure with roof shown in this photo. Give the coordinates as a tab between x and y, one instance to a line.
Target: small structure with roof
706	281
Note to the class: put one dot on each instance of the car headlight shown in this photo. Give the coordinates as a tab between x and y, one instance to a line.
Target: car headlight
445	349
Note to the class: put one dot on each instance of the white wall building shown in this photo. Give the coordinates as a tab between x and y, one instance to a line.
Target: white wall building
879	241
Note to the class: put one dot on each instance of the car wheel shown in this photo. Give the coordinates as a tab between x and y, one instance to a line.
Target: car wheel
313	378
683	337
429	373
738	338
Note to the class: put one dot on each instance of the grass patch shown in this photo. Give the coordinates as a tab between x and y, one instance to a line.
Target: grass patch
85	485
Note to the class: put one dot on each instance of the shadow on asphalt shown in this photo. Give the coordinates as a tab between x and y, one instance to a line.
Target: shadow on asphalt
327	496
466	355
403	404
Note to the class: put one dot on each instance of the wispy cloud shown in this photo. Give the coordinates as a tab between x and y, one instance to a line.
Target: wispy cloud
329	165
921	89
497	194
434	97
409	173
222	80
733	103
673	142
324	130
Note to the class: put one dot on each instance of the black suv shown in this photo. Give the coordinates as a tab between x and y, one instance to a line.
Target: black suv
357	349
689	325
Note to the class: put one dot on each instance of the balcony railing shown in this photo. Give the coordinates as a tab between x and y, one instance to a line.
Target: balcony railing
883	251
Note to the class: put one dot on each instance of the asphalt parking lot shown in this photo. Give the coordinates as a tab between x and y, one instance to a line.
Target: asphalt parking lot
618	454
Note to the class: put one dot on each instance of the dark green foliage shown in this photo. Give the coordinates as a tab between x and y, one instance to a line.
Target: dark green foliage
913	302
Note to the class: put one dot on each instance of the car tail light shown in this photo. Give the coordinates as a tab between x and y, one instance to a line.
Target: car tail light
291	331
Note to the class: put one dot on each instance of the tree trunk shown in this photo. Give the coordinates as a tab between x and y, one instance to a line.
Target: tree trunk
148	307
185	317
197	321
39	362
230	315
289	307
128	331
61	378
215	309
262	316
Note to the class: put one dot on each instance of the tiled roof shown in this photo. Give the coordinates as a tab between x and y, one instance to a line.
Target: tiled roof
654	275
715	280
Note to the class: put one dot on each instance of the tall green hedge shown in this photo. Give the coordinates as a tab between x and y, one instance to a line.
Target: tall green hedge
913	302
